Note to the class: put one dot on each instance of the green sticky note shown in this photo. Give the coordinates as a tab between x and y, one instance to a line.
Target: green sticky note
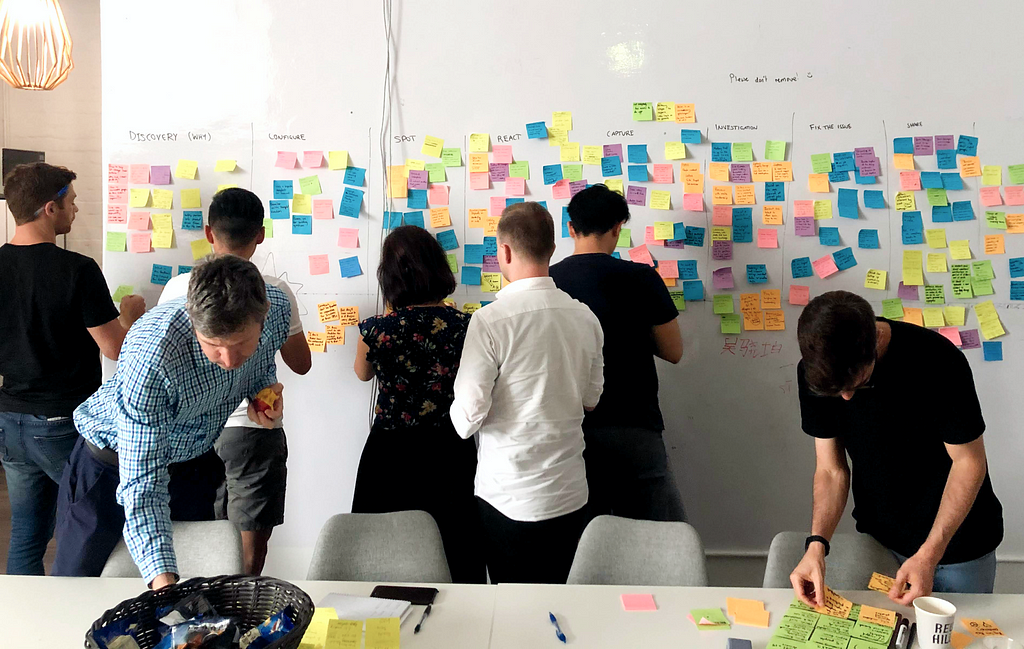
797	605
519	169
643	111
435	172
730	325
892	308
1016	174
982	269
798	631
854	612
784	643
775	150
117	241
714	615
836	625
871	632
991	175
121	291
857	643
268	228
723	304
821	163
742	152
310	185
623	241
678	299
937	196
995	219
572	173
935	294
453	262
825	638
451	157
981	286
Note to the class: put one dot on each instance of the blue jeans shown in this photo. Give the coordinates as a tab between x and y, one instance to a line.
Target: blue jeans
33	451
977	576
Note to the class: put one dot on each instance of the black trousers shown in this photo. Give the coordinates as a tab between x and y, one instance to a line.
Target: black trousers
538	552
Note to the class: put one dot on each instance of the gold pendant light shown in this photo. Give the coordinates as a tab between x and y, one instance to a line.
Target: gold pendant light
35	46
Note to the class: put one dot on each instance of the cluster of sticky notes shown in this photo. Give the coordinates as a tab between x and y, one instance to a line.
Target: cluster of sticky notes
709	619
747	612
859	627
662	111
325	630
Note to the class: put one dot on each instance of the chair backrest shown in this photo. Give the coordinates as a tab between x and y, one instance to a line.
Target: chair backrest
626	552
203	549
397	546
851	560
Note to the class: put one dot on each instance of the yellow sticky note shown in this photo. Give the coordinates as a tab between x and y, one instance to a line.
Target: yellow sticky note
913	269
721	234
719	171
200	248
991	175
382	633
163	198
960	249
991	328
191	199
337	160
592	154
302	204
675	150
479	142
570	152
614	184
162	222
225	165
316	632
817	183
661	200
138	198
317	341
905	201
937	263
342	634
956	316
163	238
490	282
875	279
903	161
432	146
557	136
478	163
822	210
933	317
663	230
562	119
328	311
186	169
936	238
665	111
491	226
416	165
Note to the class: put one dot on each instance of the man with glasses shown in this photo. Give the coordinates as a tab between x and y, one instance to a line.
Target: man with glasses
871	389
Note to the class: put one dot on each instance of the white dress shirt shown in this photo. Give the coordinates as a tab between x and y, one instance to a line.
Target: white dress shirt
531	362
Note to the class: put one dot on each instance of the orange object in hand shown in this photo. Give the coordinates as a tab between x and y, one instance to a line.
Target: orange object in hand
265	400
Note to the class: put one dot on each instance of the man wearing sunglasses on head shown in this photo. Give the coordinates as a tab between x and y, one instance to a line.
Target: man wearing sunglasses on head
871	389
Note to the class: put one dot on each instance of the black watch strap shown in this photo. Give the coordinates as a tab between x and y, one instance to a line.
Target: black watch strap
819	539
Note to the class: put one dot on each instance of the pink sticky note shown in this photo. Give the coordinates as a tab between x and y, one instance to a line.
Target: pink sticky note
138	221
418	179
318	265
480	180
286	159
515	186
117	194
767	238
323	208
990	196
438	194
117	174
663	174
910	180
560	189
799	295
312	159
693	202
117	214
139	242
803	208
348	238
824	266
803	226
160	175
649	237
668	269
1014	194
502	153
138	174
722	278
641	255
497	205
721	215
638	602
953	334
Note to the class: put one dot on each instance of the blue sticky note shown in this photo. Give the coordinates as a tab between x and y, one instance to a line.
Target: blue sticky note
193	219
354	176
490	246
931	180
513	201
967	145
1016	266
638	173
874	199
867	239
283	189
611	166
161	274
689	136
801	267
1016	289
693	290
534	131
838	176
543	204
844	258
903	145
679	232
774	192
280	210
863	180
742	225
184	269
952	180
471	274
448	240
843	161
417	199
565	225
302	224
687	269
392	220
485	302
828	236
473	253
352	202
694	236
757	274
636	153
962	211
350	267
993	349
912	229
848	203
616	255
721	152
942	214
946	158
552	173
414	218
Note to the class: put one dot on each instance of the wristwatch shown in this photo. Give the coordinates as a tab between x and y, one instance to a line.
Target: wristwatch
819	539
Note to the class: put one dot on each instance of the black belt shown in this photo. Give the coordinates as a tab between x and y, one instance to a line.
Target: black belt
105	455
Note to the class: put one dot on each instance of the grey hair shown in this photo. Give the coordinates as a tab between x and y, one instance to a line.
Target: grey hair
225	295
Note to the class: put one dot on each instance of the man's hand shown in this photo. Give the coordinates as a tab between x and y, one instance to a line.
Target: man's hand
915	575
808	578
163	580
268	418
132	308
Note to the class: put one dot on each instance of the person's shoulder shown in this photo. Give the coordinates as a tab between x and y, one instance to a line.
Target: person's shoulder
278	283
921	341
176	287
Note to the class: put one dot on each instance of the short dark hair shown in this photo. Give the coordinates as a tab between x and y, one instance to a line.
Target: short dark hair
529	229
596	210
413	268
29	187
838	338
236	215
225	295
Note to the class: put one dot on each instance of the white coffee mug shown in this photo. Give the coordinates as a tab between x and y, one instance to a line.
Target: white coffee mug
934	622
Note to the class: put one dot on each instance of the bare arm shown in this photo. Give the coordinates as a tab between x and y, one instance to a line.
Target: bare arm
668	342
110	336
295	353
364	370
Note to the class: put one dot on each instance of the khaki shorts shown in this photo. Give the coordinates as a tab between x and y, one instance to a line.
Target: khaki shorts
252	496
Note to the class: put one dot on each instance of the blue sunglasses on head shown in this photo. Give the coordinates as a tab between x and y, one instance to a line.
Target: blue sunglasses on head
61	194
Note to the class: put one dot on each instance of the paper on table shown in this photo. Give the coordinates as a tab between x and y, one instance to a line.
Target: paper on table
353	607
638	602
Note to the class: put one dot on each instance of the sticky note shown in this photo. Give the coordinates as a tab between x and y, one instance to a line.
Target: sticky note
904	201
350	267
825	266
302	204
200	248
799	295
875	279
638	602
903	161
822	210
302	224
643	111
351	202
993	352
936	263
891	308
675	150
960	249
186	169
818	183
138	198
116	241
723	304
913	268
432	146
661	200
867	239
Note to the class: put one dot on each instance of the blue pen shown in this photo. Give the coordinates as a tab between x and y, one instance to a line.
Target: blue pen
558	629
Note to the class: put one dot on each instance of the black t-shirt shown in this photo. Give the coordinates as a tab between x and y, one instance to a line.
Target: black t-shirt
629	299
921	396
49	296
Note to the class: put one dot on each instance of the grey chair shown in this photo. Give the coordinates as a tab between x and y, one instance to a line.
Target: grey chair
397	546
852	559
203	549
626	552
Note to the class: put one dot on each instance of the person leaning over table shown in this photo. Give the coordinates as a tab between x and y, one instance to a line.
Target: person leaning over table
184	367
899	400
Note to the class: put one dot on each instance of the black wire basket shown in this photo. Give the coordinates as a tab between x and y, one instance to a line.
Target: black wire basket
248	600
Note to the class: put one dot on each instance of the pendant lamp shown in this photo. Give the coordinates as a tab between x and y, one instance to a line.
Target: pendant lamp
35	46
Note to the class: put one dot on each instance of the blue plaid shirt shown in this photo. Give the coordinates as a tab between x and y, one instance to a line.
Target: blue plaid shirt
168	403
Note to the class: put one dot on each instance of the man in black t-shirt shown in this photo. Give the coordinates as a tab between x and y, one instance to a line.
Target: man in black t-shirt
56	317
899	400
628	471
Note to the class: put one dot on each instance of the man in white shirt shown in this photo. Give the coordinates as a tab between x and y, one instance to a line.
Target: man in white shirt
252	496
531	364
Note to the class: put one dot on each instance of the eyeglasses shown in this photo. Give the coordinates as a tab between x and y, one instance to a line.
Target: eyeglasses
61	194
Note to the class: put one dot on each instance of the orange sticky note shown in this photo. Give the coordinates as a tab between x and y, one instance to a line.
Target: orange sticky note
1015	223
440	217
913	315
771	215
335	334
782	171
749	301
685	114
753	618
771	298
994	244
753	321
348	315
880	616
960	640
328	311
761	172
745	195
970	166
981	628
476	218
719	171
817	183
721	195
317	341
773	321
693	182
903	161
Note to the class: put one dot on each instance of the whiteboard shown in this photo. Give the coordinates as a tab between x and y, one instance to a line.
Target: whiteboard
228	76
